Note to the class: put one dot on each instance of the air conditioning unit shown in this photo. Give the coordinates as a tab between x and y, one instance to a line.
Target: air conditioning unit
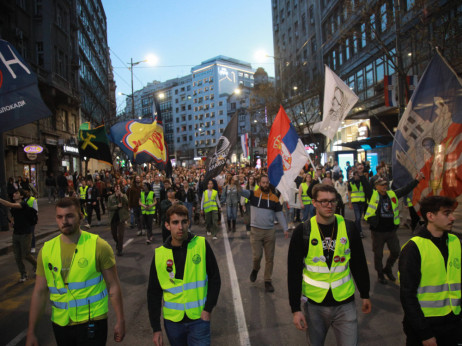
12	141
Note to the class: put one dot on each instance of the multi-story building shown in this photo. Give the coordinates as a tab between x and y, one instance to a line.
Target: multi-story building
362	42
65	43
94	61
195	107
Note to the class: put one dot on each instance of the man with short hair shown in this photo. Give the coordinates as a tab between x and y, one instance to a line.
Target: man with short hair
184	260
78	271
164	206
382	215
22	231
325	255
430	278
265	208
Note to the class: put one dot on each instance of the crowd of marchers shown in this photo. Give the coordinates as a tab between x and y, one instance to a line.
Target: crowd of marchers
326	263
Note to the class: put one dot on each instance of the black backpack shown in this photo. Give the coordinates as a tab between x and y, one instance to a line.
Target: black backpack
32	216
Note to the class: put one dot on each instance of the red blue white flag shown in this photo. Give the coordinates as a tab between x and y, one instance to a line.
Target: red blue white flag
286	154
429	136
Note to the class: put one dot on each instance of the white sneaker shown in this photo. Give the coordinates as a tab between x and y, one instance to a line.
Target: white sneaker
214	238
87	225
139	233
209	233
23	278
32	250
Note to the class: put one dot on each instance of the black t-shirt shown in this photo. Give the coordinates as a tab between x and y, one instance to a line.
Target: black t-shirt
385	214
21	219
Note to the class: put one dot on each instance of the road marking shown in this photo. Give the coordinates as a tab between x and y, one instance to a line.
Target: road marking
18	338
238	307
128	242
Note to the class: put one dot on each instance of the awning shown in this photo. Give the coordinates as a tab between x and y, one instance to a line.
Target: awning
370	143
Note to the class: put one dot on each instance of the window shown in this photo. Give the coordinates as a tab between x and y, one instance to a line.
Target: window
221	121
363	36
220	112
383	17
347	49
360	80
379	70
39	53
220	103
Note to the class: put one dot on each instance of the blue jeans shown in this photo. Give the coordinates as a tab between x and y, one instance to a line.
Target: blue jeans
307	212
231	211
341	318
192	333
358	208
189	206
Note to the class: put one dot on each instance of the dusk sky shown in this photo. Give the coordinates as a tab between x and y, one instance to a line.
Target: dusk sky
182	34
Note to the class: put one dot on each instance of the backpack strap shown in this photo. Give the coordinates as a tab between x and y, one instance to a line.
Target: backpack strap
306	232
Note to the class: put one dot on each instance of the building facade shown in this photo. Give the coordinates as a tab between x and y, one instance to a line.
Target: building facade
363	42
52	38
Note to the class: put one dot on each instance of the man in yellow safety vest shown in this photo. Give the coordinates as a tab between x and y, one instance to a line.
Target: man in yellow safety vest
78	271
430	278
325	255
185	276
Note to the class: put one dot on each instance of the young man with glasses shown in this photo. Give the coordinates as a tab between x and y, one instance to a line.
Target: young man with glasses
325	255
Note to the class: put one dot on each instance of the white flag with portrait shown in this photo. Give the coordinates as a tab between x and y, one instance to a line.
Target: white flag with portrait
339	99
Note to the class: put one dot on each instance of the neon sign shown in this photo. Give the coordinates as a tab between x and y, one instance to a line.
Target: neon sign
33	149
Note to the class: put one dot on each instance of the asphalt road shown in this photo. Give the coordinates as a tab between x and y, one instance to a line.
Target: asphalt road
245	313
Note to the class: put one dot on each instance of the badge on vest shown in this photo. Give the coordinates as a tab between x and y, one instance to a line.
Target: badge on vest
343	240
322	258
171	274
314	242
337	259
456	263
83	262
315	259
347	251
196	259
342	259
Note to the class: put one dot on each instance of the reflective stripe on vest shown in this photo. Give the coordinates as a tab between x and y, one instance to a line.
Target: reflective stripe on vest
318	278
439	291
148	201
211	204
190	294
357	195
374	202
305	198
83	192
85	294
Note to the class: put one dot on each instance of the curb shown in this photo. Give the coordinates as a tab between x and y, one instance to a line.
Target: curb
7	249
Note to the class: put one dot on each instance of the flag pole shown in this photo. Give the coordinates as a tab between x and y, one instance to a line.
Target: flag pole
394	138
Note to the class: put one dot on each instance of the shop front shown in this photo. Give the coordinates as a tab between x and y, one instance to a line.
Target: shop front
70	158
30	158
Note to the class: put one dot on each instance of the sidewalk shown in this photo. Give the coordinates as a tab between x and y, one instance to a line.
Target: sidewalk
46	225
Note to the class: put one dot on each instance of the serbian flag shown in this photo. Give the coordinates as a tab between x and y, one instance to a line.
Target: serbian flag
286	154
429	136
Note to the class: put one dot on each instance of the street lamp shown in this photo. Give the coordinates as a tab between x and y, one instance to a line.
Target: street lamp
151	59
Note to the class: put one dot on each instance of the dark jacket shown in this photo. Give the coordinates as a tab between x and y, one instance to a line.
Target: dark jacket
377	223
410	274
155	292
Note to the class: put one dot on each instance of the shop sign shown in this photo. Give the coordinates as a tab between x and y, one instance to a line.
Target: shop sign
33	149
70	149
31	156
51	141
